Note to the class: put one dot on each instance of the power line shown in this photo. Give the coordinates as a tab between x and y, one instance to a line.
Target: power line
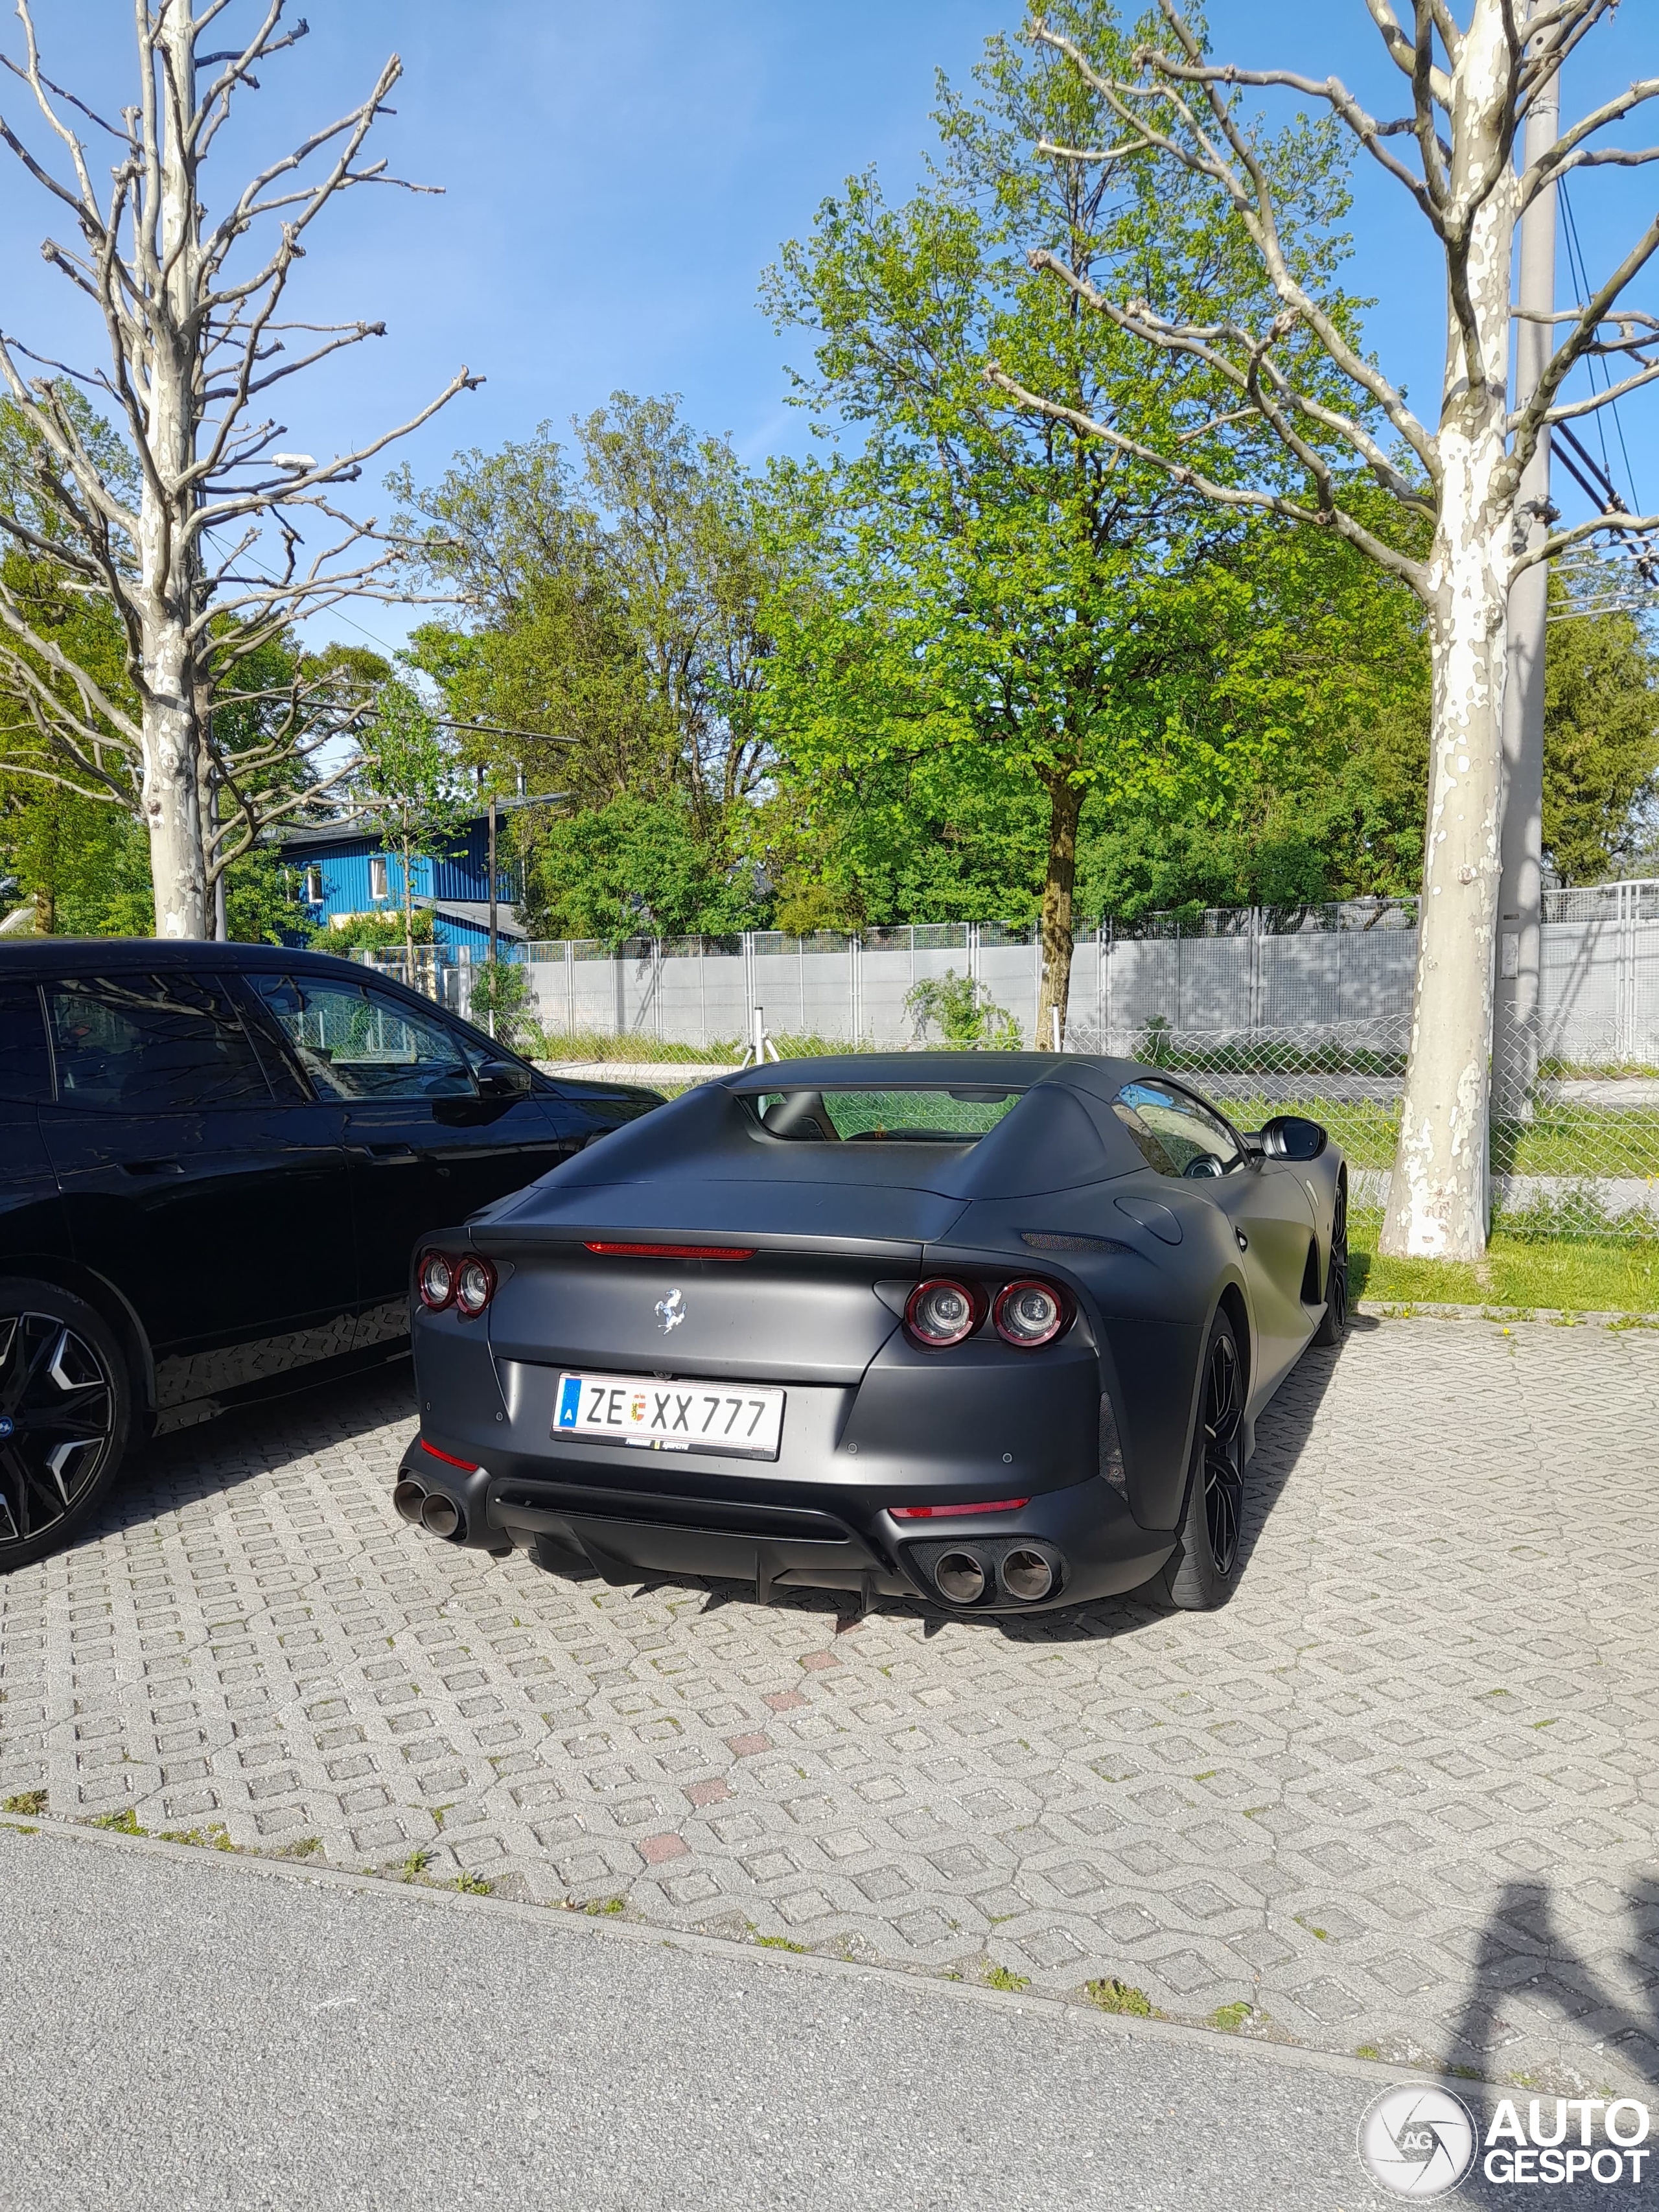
1577	270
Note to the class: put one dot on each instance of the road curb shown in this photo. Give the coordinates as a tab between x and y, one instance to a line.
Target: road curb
389	1890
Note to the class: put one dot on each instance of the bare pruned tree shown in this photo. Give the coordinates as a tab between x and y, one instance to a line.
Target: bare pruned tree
217	542
1286	443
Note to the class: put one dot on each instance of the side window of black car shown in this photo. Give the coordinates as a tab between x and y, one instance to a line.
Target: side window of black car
25	1068
354	1042
1176	1136
151	1044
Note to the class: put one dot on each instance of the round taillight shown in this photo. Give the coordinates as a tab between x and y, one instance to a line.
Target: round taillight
1029	1314
435	1277
475	1286
942	1313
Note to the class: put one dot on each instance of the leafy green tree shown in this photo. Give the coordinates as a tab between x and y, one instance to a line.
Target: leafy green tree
634	867
1600	731
981	579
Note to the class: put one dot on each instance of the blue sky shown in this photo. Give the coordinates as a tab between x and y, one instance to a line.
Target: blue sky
616	179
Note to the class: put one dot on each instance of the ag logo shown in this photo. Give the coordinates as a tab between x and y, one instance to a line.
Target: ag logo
7	1425
671	1311
1418	2141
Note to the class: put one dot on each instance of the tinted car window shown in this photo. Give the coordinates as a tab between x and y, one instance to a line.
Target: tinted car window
25	1068
151	1043
356	1042
1175	1134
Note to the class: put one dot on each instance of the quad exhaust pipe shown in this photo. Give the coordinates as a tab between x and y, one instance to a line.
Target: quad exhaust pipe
430	1509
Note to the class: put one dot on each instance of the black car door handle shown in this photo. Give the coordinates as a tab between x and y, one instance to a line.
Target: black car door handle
388	1155
152	1167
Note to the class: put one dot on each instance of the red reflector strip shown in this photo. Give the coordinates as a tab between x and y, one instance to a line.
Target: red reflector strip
942	1512
674	1251
466	1465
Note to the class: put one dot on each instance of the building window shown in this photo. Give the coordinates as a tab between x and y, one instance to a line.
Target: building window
313	886
376	876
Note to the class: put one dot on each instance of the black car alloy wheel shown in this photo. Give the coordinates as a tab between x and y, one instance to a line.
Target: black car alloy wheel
60	1412
1224	1453
1333	1321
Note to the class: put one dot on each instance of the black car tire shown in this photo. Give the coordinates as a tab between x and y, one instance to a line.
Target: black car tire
66	1412
1204	1566
1333	1321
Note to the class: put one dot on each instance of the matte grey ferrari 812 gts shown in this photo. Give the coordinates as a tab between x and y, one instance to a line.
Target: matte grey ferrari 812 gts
989	1331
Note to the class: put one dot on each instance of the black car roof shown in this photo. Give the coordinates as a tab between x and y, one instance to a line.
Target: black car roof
70	956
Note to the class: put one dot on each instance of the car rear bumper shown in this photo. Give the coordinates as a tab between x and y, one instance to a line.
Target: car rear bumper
627	1524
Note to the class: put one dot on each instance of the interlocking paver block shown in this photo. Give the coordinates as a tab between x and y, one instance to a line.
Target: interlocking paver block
1398	1792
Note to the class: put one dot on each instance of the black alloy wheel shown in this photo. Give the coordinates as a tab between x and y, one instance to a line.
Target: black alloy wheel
1333	1321
1224	1455
64	1415
1201	1571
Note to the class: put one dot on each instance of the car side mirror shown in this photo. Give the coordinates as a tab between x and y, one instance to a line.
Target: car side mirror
1292	1137
503	1078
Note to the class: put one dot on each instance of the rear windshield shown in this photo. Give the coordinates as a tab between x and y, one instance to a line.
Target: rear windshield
888	1117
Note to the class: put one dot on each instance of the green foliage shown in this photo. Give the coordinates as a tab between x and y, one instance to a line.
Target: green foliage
985	613
1600	733
376	933
634	867
964	1012
1114	1995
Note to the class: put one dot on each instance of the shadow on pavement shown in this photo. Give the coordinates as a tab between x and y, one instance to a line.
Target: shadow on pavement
248	1441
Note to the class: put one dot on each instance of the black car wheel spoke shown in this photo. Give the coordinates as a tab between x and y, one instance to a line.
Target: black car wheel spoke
1223	1453
57	1413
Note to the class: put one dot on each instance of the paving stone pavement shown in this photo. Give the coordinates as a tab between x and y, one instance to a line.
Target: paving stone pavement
1396	1796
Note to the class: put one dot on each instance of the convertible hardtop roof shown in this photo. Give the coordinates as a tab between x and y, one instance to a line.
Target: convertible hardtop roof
943	1071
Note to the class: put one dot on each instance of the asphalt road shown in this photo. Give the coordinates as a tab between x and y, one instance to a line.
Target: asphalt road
183	2031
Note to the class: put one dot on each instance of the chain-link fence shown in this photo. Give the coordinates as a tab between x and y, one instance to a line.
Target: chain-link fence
1574	1146
1304	1009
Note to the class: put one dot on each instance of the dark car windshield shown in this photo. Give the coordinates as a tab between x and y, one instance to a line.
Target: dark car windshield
961	1116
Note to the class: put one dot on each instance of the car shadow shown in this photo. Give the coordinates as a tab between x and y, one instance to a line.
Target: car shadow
246	1442
1282	1434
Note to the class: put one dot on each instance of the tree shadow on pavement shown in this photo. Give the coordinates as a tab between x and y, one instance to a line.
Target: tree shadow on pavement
246	1442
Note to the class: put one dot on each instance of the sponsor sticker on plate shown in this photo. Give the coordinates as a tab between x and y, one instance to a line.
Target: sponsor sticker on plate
687	1417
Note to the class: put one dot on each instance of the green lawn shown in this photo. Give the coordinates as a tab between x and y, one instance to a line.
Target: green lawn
1586	1275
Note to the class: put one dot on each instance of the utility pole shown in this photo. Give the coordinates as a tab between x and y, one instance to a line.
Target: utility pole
1520	900
494	970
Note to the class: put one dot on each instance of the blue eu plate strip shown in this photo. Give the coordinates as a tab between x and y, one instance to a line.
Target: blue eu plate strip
570	1400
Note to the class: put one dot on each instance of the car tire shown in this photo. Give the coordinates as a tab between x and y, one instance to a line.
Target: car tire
1203	1568
1333	1321
65	1417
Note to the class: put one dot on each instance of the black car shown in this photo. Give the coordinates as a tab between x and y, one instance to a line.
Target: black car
988	1330
215	1161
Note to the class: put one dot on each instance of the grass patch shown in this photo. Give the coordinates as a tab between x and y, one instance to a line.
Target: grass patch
27	1802
1114	1995
998	1977
779	1943
124	1824
473	1885
600	1907
415	1865
1233	2018
1586	1275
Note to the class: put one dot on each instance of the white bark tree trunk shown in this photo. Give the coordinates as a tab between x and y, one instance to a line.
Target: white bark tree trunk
1437	1194
167	557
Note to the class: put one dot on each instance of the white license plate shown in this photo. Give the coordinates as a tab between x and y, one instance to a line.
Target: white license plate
687	1417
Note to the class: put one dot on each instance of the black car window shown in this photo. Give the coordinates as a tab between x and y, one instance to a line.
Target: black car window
354	1042
1177	1134
24	1064
25	1068
151	1044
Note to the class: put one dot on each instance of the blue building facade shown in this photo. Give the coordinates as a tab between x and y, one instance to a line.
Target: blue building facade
344	872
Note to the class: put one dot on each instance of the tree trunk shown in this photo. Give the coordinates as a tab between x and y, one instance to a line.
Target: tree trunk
1065	805
167	562
1437	1195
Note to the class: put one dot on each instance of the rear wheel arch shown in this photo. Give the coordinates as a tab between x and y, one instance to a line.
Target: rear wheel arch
109	1303
1232	1304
